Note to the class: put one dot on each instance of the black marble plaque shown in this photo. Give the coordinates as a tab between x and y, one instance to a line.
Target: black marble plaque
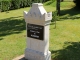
35	31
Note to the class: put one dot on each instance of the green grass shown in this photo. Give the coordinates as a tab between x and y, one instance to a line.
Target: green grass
12	34
64	40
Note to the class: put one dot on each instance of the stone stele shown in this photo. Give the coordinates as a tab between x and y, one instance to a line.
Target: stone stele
37	26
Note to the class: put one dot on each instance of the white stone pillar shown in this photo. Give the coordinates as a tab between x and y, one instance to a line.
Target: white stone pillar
37	25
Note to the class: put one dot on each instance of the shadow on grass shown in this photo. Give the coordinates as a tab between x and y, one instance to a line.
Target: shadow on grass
71	51
49	2
52	23
23	58
12	25
70	13
1	38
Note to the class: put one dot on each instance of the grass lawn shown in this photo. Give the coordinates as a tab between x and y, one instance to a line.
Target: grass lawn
64	40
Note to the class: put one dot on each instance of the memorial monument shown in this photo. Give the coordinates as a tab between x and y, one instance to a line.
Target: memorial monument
37	26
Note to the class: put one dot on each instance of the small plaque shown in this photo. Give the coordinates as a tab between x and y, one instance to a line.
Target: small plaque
35	31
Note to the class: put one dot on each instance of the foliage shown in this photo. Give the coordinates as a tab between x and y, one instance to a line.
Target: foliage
64	40
77	2
53	0
0	6
55	17
5	5
16	4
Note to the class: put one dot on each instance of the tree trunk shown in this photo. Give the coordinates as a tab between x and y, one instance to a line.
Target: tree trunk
58	7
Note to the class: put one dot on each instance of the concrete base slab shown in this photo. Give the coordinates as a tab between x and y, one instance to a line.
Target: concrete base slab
36	55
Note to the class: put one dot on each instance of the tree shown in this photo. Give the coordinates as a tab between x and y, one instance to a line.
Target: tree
58	7
77	2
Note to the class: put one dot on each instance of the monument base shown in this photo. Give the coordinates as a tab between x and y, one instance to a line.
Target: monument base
35	55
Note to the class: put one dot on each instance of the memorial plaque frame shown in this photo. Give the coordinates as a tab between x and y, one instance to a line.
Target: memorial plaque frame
35	31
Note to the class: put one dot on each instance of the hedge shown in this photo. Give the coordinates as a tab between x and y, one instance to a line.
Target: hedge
6	5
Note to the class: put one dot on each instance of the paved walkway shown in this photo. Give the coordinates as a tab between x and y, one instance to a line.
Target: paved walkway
20	58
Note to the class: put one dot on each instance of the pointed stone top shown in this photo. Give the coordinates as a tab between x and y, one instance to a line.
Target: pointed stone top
37	15
37	4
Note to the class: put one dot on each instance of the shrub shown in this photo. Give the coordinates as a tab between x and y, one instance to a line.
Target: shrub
0	6
15	4
29	2
5	5
55	17
23	3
